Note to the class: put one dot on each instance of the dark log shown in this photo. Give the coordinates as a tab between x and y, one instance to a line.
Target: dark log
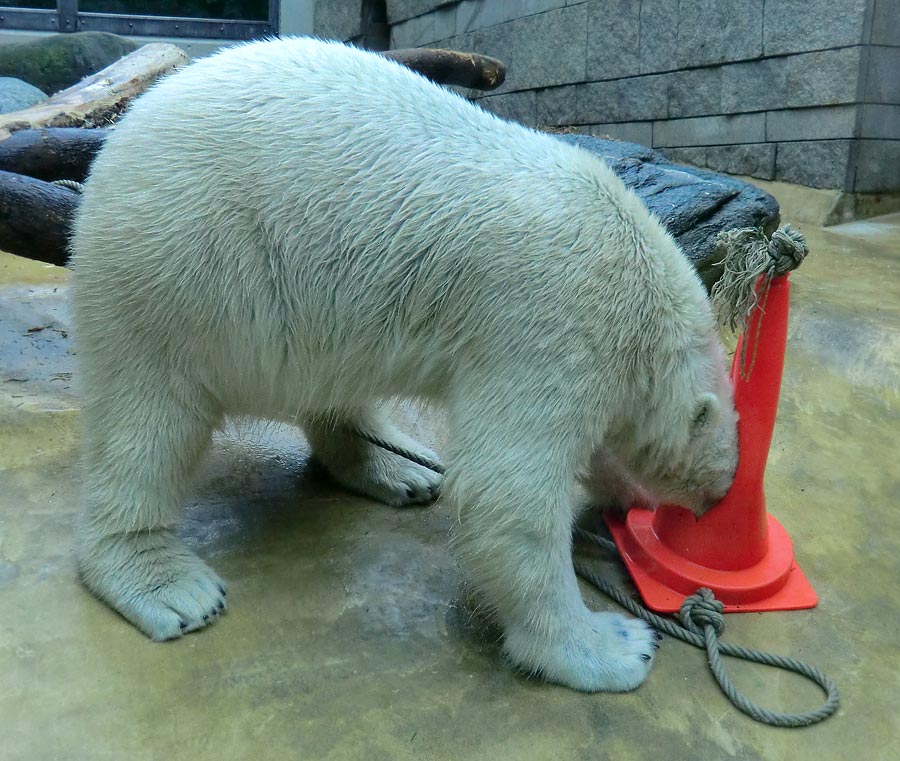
449	67
35	218
52	153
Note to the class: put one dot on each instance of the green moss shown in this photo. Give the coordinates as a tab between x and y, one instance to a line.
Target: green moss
57	62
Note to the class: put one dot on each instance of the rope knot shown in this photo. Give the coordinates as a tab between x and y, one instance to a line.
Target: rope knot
746	256
700	610
787	249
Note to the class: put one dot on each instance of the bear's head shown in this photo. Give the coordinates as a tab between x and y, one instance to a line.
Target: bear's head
681	447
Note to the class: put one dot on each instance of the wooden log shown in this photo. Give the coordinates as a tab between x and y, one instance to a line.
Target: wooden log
54	153
35	218
51	153
449	67
97	100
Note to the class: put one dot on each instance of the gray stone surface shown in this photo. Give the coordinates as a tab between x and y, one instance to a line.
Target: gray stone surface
542	50
58	61
445	22
659	35
631	132
831	23
755	159
478	14
415	32
816	163
693	204
710	130
822	78
883	75
622	100
714	31
338	19
886	23
878	166
400	10
614	43
824	123
695	92
557	106
725	84
693	156
515	106
880	121
16	95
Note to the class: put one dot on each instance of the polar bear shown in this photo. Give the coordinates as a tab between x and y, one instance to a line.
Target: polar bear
296	229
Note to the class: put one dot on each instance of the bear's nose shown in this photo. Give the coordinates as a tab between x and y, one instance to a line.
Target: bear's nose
707	504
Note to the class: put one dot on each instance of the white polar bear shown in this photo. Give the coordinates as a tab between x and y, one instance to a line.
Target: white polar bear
295	229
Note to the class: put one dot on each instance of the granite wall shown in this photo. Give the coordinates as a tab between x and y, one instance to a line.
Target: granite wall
805	91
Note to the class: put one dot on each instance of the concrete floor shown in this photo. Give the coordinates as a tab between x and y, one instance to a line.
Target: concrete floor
346	637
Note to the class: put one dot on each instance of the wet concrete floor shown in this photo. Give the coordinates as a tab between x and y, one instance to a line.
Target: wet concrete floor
346	637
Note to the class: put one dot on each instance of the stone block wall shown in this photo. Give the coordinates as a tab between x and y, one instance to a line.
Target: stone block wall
805	91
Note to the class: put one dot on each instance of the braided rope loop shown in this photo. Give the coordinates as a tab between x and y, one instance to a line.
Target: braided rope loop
702	624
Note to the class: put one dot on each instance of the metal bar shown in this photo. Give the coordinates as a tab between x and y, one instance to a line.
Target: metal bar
170	26
67	18
275	16
68	11
20	18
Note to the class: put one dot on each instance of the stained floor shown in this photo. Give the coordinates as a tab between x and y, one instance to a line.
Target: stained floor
347	637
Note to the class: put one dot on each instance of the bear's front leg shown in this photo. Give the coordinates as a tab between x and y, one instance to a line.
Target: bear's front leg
513	541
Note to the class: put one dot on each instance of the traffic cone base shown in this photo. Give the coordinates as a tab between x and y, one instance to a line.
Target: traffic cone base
664	578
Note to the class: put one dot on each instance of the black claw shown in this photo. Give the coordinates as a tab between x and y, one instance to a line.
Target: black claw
655	645
183	624
206	618
222	590
658	635
221	605
410	492
646	657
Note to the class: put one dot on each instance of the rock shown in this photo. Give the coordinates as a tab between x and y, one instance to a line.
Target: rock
16	95
59	61
695	205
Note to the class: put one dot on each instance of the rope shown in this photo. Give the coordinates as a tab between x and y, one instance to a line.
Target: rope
702	624
78	187
750	262
400	451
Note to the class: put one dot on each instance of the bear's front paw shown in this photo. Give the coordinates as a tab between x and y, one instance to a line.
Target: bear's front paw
598	652
154	581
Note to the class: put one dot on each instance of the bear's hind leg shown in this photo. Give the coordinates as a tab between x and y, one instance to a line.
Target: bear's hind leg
364	468
140	449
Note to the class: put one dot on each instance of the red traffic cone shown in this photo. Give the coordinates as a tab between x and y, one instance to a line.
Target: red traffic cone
736	549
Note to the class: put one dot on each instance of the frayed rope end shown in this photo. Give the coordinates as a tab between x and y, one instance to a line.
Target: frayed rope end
746	256
750	262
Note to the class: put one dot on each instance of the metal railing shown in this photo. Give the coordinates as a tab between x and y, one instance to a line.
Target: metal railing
67	18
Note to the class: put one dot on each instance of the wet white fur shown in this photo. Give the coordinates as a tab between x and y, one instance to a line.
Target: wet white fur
295	230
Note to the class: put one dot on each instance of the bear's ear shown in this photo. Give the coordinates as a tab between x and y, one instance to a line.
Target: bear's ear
707	411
